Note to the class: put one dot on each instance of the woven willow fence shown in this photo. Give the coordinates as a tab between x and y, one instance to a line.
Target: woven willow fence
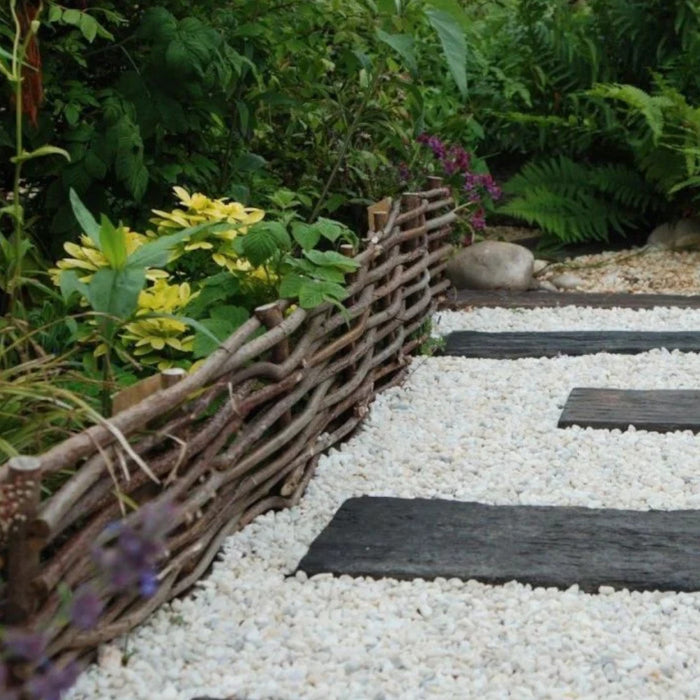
236	438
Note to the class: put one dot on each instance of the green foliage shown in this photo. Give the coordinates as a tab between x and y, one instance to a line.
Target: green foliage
600	83
577	202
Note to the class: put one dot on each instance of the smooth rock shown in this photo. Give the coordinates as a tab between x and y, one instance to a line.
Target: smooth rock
539	265
547	286
684	233
492	265
109	657
567	280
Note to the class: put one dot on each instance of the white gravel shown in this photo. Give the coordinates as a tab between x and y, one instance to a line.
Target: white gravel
464	429
568	318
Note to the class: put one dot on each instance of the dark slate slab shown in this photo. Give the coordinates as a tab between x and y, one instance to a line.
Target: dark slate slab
543	546
544	299
516	345
661	411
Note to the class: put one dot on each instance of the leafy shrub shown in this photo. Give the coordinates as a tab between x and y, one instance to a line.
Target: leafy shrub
606	84
147	315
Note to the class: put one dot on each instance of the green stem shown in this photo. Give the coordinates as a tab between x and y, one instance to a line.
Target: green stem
106	393
346	143
19	52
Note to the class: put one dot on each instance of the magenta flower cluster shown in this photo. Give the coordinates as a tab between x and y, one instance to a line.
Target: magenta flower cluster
126	557
456	162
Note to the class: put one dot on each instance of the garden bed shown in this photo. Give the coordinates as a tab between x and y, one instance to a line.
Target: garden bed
239	436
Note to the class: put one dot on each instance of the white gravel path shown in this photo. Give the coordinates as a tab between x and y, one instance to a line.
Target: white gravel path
465	429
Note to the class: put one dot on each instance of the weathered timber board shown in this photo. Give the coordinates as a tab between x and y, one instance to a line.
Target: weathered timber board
661	411
540	545
544	299
513	345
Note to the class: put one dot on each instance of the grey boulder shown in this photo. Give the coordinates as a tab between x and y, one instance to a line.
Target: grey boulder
492	265
684	233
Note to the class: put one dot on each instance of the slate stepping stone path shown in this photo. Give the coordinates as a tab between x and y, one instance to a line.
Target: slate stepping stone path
660	411
544	546
513	345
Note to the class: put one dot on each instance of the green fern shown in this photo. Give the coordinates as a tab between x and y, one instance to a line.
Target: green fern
578	202
639	102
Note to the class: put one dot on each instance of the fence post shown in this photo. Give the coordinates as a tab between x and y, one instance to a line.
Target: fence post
23	551
270	315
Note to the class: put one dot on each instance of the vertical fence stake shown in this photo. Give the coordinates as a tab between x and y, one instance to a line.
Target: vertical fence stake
271	315
23	551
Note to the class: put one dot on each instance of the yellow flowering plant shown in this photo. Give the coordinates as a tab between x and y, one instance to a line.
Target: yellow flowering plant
171	295
197	209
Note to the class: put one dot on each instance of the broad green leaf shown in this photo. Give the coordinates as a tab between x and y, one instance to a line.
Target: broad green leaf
279	232
156	253
258	245
215	290
330	258
328	274
55	13
290	285
85	218
454	45
113	243
70	284
72	17
211	332
305	235
403	45
454	10
314	292
116	292
311	294
236	315
88	26
40	153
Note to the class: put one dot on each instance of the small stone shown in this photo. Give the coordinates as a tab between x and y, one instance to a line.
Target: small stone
610	671
547	286
492	265
538	266
684	233
567	280
667	605
109	657
606	590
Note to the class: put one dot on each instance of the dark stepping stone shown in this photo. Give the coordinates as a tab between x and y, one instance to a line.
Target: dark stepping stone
540	545
516	345
662	411
542	299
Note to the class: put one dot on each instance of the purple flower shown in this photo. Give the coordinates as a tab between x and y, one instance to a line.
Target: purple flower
52	682
131	563
435	144
86	608
404	172
478	220
470	182
492	188
148	584
29	647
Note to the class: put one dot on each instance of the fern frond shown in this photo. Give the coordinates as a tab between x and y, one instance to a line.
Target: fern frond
576	201
571	220
623	185
651	107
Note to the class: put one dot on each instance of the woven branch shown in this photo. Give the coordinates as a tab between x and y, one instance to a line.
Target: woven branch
242	434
